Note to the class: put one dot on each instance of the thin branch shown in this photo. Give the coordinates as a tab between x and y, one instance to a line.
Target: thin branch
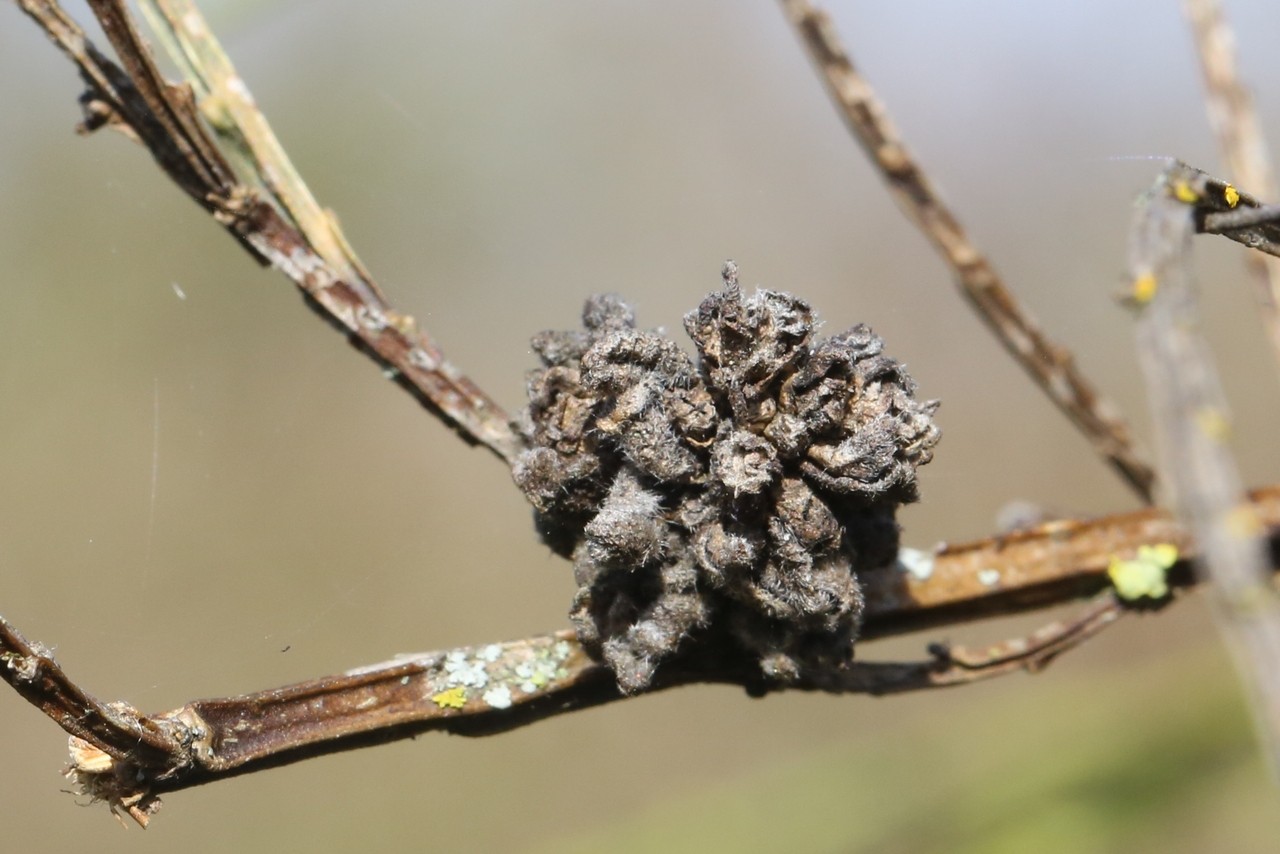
1189	410
169	121
1241	218
128	759
119	730
953	666
1235	122
1037	650
1051	366
113	100
1234	213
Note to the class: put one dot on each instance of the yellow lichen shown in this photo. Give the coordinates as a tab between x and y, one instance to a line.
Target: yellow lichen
1144	288
1145	574
1231	195
454	698
1214	423
1183	192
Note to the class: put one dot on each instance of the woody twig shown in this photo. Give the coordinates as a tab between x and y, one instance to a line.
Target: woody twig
128	759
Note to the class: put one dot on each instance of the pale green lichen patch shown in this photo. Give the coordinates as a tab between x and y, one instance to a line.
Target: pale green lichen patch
535	674
1143	575
496	675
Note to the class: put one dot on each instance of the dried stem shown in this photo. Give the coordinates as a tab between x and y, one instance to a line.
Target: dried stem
1235	122
1189	410
229	109
119	731
273	215
1051	366
127	759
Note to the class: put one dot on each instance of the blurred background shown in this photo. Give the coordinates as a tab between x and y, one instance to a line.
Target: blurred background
205	491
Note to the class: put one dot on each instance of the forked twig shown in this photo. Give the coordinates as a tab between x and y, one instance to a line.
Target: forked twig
1051	366
229	110
275	217
128	759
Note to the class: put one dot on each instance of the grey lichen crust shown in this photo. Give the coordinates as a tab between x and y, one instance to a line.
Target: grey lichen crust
729	502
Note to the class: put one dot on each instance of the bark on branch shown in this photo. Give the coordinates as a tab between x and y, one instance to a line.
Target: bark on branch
128	759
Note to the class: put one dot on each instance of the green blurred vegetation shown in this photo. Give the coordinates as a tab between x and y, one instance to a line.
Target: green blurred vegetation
1119	764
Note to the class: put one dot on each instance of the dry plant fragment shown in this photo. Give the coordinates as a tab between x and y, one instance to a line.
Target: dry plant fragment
735	498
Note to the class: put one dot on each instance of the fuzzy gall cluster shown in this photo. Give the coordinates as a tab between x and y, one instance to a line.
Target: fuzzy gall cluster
732	500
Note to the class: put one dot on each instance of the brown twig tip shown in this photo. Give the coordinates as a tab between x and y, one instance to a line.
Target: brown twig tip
736	498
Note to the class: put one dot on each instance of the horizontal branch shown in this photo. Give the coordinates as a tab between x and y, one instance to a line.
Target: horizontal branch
1037	567
129	759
